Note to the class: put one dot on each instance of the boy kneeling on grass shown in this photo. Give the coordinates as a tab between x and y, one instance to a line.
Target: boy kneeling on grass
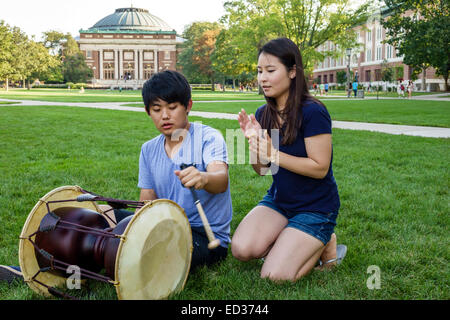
167	100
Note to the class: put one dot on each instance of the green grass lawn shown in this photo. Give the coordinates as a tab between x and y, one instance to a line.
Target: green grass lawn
6	102
393	189
65	95
395	111
406	112
393	94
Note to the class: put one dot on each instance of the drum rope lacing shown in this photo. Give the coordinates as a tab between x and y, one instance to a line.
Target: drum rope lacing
53	263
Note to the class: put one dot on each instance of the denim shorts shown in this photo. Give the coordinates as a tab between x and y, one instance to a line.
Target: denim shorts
317	224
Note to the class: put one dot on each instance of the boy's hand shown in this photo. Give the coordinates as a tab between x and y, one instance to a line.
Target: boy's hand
192	177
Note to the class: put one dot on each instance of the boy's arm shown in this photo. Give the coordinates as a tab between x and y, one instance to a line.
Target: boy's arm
147	194
217	177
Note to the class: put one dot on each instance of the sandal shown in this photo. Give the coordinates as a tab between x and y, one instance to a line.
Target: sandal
341	251
9	274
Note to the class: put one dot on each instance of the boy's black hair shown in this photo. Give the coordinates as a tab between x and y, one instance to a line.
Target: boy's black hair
169	86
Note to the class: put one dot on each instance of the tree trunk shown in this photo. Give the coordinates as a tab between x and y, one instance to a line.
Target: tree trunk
424	75
445	83
7	84
28	84
212	84
234	85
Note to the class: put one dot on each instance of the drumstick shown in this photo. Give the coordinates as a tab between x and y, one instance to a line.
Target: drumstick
213	242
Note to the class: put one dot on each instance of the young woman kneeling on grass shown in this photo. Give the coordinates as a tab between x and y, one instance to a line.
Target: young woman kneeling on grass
292	227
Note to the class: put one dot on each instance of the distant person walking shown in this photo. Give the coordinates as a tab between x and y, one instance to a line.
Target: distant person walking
349	90
322	89
410	89
355	87
327	86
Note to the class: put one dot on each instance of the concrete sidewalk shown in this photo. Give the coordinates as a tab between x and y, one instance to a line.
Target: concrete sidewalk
429	132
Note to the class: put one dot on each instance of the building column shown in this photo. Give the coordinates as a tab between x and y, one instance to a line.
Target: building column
101	64
120	60
136	69
155	60
116	64
141	64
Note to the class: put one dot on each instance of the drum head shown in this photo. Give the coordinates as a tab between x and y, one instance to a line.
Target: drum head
27	256
154	259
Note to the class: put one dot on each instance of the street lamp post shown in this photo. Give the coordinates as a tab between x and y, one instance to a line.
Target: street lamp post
348	51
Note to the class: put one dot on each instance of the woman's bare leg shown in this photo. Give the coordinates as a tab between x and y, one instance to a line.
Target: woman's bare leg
256	233
329	253
292	256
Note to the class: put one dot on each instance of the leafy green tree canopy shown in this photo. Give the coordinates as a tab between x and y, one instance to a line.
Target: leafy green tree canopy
422	36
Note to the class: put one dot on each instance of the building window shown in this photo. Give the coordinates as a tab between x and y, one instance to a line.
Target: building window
379	33
388	51
128	71
128	55
369	55
378	53
108	71
148	68
89	54
378	75
325	78
148	55
331	78
369	36
368	76
108	55
166	55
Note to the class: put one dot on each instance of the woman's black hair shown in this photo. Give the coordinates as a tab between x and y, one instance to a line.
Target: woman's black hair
169	86
289	55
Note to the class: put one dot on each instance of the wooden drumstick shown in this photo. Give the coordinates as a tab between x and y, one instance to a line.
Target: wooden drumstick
213	242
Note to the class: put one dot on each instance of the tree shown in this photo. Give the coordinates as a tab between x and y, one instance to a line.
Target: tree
227	58
203	50
75	69
53	41
387	72
195	57
341	77
38	61
70	46
422	36
6	54
309	23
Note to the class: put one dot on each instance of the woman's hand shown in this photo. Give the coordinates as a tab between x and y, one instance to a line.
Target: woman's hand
249	125
263	148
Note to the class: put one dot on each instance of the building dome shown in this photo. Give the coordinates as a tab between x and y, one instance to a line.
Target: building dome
131	19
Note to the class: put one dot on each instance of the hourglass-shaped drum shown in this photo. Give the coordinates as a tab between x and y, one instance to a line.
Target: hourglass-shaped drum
145	256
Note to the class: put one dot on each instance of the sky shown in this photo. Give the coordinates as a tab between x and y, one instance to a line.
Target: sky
35	17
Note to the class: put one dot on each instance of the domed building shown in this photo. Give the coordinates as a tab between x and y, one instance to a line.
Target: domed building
125	48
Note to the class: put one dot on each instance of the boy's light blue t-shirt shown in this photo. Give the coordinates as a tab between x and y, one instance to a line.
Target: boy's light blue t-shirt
202	145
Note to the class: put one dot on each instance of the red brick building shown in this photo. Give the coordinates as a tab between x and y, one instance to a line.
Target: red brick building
366	61
125	48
